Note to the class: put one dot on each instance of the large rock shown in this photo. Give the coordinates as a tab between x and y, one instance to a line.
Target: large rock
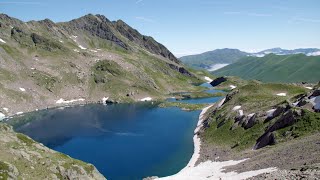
218	81
265	140
250	121
180	69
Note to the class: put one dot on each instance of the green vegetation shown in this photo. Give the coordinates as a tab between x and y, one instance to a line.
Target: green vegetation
306	124
255	97
4	170
44	80
183	106
219	56
274	68
25	139
22	157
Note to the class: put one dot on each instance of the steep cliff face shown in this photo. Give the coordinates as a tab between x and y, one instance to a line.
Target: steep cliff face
51	61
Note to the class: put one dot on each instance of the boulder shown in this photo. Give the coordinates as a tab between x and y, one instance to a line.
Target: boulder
218	81
315	93
265	140
250	121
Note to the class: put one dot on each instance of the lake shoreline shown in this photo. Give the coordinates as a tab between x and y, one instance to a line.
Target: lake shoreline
210	169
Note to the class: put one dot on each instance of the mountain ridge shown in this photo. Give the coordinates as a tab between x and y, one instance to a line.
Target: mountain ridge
228	56
86	59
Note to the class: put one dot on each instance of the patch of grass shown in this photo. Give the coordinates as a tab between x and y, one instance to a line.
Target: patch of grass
184	106
25	139
44	80
308	123
254	98
4	170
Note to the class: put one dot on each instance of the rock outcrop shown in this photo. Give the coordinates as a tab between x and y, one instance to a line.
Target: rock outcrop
218	81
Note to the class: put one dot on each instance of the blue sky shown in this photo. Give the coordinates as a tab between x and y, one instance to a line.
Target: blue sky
194	26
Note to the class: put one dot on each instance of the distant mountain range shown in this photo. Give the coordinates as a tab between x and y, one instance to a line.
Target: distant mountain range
275	68
280	51
216	59
210	58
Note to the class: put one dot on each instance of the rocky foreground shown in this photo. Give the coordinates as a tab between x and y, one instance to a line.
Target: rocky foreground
21	157
273	125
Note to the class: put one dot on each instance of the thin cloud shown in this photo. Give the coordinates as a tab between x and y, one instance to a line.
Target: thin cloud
21	2
247	13
301	20
145	19
232	12
259	15
139	1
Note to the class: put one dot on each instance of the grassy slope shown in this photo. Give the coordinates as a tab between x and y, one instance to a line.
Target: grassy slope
51	69
20	156
256	98
273	68
219	56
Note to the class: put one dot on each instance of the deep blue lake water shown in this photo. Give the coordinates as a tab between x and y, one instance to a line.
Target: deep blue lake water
124	141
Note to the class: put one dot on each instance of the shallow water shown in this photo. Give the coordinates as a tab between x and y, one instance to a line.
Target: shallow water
201	100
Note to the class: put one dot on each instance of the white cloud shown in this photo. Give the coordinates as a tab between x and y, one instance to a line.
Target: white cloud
139	1
145	19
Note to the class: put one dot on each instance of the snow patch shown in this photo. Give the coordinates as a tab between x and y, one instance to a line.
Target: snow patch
1	40
270	113
251	115
62	101
233	87
93	51
61	41
309	88
282	94
146	99
316	102
22	89
240	112
18	113
104	99
314	54
221	102
236	108
217	66
2	116
208	79
76	50
215	170
6	109
81	47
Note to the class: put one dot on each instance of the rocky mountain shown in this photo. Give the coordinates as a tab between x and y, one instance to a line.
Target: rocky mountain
46	64
208	59
275	68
